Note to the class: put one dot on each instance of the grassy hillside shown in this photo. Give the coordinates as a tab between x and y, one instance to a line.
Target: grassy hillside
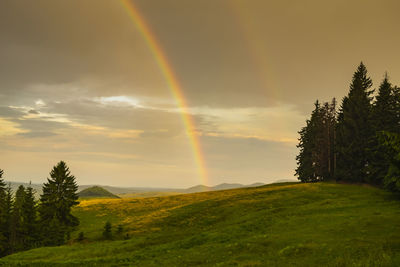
148	194
276	225
96	192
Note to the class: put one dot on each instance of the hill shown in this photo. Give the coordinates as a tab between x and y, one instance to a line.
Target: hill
142	191
223	186
96	192
292	224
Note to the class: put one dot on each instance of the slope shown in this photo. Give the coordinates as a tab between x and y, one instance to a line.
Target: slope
318	224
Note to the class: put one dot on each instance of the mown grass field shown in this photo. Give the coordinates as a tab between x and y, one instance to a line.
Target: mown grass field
318	224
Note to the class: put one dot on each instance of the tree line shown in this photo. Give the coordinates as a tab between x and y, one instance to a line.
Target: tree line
359	143
26	223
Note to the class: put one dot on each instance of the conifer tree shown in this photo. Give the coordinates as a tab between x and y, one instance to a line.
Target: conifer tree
316	158
29	218
59	196
305	159
3	216
384	118
17	229
354	129
8	227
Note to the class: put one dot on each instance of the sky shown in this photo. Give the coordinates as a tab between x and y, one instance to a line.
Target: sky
79	83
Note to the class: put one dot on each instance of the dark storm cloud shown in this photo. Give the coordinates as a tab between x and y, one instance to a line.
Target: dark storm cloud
306	49
58	42
225	53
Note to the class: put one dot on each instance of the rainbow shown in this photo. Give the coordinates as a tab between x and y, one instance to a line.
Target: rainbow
173	84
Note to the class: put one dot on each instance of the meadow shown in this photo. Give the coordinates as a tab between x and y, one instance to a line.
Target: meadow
289	224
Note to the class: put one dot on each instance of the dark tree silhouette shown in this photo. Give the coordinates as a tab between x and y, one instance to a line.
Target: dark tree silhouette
18	232
384	118
59	196
315	161
354	129
29	219
3	216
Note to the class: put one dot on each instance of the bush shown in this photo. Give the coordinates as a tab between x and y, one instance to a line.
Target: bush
81	237
107	233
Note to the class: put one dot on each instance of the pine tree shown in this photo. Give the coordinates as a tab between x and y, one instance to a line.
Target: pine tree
354	129
3	216
8	226
59	196
17	230
305	159
316	158
384	118
29	218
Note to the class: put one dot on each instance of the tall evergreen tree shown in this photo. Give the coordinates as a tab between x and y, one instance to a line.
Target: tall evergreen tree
3	216
384	118
17	223
29	219
354	129
315	161
306	168
59	196
8	227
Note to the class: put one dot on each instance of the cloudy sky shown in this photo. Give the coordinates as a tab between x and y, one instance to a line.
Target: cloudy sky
79	83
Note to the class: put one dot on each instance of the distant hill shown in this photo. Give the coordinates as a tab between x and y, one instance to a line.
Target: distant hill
149	191
96	192
224	186
285	181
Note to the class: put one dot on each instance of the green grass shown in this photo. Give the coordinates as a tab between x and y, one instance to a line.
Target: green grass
318	224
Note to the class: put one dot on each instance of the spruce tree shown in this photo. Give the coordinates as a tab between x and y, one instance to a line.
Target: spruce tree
59	196
3	216
18	233
384	118
29	218
354	130
315	161
308	164
8	226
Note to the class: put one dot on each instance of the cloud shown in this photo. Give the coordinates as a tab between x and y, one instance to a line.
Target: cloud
9	128
9	112
37	134
32	111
